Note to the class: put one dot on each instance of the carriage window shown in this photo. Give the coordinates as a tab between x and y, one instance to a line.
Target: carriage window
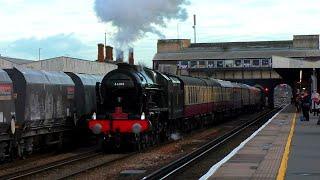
205	94
196	93
189	89
191	95
186	94
177	99
201	93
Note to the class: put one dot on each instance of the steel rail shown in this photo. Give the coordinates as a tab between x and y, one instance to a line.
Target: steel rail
50	166
182	162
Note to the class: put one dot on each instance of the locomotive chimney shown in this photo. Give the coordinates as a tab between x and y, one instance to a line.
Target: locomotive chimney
131	56
100	52
119	55
109	53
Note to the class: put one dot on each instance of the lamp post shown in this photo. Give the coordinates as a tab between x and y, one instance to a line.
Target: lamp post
39	55
194	28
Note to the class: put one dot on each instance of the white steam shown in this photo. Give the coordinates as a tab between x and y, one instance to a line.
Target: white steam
134	18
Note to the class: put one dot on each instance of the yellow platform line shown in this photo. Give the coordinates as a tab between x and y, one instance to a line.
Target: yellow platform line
284	162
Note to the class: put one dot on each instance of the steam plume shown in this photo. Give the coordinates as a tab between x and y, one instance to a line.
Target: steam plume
134	18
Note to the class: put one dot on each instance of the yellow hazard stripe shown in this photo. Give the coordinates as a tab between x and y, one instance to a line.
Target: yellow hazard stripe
284	162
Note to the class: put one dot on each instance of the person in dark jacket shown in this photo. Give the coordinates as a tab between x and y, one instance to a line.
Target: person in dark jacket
305	106
298	103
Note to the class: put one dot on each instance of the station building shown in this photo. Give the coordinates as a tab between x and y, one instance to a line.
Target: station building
236	60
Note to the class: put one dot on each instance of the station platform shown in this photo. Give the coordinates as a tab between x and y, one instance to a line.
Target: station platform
284	148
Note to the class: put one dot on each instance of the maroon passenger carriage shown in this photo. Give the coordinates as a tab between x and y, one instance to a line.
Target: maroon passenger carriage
137	106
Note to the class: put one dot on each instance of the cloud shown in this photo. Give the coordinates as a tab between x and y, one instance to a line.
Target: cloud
52	46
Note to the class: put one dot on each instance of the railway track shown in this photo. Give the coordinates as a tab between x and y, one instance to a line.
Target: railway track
74	173
81	159
46	169
178	165
68	163
50	166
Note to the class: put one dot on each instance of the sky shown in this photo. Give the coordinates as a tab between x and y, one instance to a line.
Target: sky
71	28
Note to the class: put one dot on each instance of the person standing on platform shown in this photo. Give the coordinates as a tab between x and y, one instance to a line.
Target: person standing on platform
315	103
305	106
298	102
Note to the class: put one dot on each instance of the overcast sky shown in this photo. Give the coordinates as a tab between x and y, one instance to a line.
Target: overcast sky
71	28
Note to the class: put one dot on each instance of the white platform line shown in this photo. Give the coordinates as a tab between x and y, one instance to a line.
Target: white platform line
215	167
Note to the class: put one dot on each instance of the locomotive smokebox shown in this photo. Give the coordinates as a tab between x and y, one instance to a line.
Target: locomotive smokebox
131	56
100	52
109	53
119	55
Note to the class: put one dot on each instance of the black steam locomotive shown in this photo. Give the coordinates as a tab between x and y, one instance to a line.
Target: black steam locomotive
138	106
40	108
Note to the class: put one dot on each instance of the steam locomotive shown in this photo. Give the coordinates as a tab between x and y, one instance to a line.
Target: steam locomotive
138	107
40	108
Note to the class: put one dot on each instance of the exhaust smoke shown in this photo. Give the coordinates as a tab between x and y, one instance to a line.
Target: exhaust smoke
134	18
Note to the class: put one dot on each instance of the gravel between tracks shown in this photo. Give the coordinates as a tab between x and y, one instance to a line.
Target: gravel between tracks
157	157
